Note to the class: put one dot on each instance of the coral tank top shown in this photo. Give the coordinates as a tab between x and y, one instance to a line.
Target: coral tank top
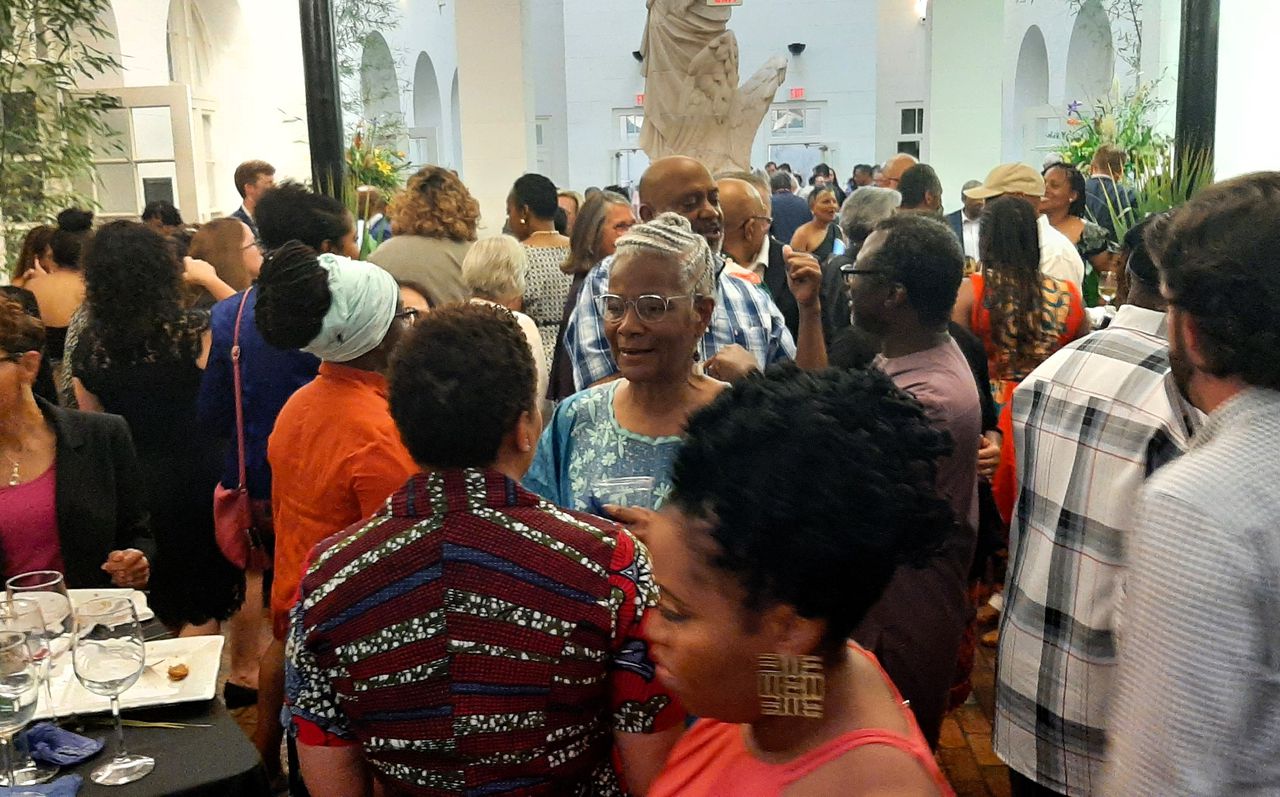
712	758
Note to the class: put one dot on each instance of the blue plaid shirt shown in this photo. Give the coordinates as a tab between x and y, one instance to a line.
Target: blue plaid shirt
745	314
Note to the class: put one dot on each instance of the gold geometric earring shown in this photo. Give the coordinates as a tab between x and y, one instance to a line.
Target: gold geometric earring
790	686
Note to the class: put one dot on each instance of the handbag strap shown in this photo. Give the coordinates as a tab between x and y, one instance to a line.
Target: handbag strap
235	378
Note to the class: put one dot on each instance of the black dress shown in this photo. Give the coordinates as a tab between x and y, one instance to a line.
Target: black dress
155	391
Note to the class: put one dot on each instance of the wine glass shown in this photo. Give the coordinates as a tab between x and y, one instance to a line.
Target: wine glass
1107	286
47	588
22	616
19	691
108	655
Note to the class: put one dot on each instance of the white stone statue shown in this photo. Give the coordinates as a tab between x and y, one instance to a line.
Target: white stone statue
692	102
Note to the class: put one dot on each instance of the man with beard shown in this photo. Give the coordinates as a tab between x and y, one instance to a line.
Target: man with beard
1090	425
1197	704
747	331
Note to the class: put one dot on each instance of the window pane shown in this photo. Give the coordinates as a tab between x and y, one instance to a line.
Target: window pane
908	126
115	146
117	188
912	148
152	134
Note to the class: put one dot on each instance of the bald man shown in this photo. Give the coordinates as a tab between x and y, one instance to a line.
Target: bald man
748	244
891	172
747	329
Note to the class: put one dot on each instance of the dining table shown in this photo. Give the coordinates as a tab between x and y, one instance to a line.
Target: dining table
199	749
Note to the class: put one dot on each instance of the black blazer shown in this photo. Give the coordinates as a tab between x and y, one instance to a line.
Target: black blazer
99	493
956	220
775	278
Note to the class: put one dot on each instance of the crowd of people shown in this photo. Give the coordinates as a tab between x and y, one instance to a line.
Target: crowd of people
692	490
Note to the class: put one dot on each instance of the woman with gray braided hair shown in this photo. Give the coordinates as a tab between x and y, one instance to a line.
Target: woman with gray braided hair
659	301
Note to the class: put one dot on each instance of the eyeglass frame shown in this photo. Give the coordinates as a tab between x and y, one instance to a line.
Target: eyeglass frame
633	304
851	270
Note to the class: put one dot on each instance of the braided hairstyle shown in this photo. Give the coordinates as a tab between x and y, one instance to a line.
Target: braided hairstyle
671	236
293	296
812	487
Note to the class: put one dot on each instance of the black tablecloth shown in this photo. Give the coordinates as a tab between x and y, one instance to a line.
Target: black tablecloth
218	760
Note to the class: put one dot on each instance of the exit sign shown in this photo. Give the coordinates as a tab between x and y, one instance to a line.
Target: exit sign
797	94
724	2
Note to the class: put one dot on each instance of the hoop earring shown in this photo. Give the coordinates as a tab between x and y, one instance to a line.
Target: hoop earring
791	686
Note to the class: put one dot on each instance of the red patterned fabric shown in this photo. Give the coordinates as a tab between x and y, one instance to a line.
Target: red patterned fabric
472	636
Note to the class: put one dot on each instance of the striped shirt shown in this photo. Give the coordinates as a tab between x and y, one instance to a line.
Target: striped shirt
476	639
1090	424
1197	705
744	314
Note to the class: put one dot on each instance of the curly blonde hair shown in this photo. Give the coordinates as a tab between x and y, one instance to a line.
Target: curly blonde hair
435	204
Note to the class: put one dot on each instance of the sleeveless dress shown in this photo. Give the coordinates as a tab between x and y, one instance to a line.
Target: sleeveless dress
712	758
155	392
546	291
1061	321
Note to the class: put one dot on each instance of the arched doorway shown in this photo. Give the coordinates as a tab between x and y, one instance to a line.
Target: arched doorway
428	114
379	86
1091	56
1032	115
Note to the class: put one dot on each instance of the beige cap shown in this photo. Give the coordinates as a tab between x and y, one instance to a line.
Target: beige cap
1009	178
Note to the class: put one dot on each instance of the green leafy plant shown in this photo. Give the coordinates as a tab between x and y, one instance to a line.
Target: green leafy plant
1122	119
1165	184
48	126
369	163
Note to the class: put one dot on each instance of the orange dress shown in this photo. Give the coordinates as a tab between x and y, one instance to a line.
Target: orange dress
335	457
712	759
1063	317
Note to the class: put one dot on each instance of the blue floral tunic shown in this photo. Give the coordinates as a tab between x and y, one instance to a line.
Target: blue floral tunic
584	443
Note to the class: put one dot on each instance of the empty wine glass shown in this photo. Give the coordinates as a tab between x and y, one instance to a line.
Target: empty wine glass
108	656
22	615
47	588
19	691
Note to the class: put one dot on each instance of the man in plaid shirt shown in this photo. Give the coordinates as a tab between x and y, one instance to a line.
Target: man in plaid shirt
1090	425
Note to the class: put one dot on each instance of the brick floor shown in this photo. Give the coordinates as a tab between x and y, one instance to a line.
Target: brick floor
964	747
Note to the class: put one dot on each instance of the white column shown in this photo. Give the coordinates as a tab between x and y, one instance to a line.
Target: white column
496	96
1247	113
964	115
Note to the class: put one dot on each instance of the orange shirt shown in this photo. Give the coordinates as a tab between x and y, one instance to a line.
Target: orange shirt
335	457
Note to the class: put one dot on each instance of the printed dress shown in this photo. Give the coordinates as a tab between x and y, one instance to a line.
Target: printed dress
545	293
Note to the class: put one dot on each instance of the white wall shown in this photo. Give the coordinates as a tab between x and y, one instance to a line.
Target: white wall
1247	60
902	74
965	92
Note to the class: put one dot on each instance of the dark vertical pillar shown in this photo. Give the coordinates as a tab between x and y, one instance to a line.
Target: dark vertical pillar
324	106
1197	111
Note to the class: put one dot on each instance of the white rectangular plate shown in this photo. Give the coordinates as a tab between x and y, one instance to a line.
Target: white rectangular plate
201	654
79	596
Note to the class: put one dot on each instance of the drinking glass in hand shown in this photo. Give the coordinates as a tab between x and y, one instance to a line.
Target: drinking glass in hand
47	588
108	655
19	691
23	616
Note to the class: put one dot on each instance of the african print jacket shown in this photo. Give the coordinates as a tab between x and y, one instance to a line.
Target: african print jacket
475	639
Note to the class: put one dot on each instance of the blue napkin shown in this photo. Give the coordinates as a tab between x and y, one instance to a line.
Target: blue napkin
49	744
65	786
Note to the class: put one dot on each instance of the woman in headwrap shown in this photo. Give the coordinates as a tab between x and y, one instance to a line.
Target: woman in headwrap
335	453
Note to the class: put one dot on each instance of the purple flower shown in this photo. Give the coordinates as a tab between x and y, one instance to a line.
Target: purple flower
1073	107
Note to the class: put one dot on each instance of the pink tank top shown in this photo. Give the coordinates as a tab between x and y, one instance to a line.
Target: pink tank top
29	525
712	759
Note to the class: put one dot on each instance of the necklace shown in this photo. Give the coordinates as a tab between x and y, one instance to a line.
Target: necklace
14	476
543	232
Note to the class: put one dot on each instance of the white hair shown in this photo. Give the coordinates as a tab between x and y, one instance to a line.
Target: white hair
494	268
671	236
865	208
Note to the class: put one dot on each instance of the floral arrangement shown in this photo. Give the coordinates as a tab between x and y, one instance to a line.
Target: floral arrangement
1119	119
373	165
